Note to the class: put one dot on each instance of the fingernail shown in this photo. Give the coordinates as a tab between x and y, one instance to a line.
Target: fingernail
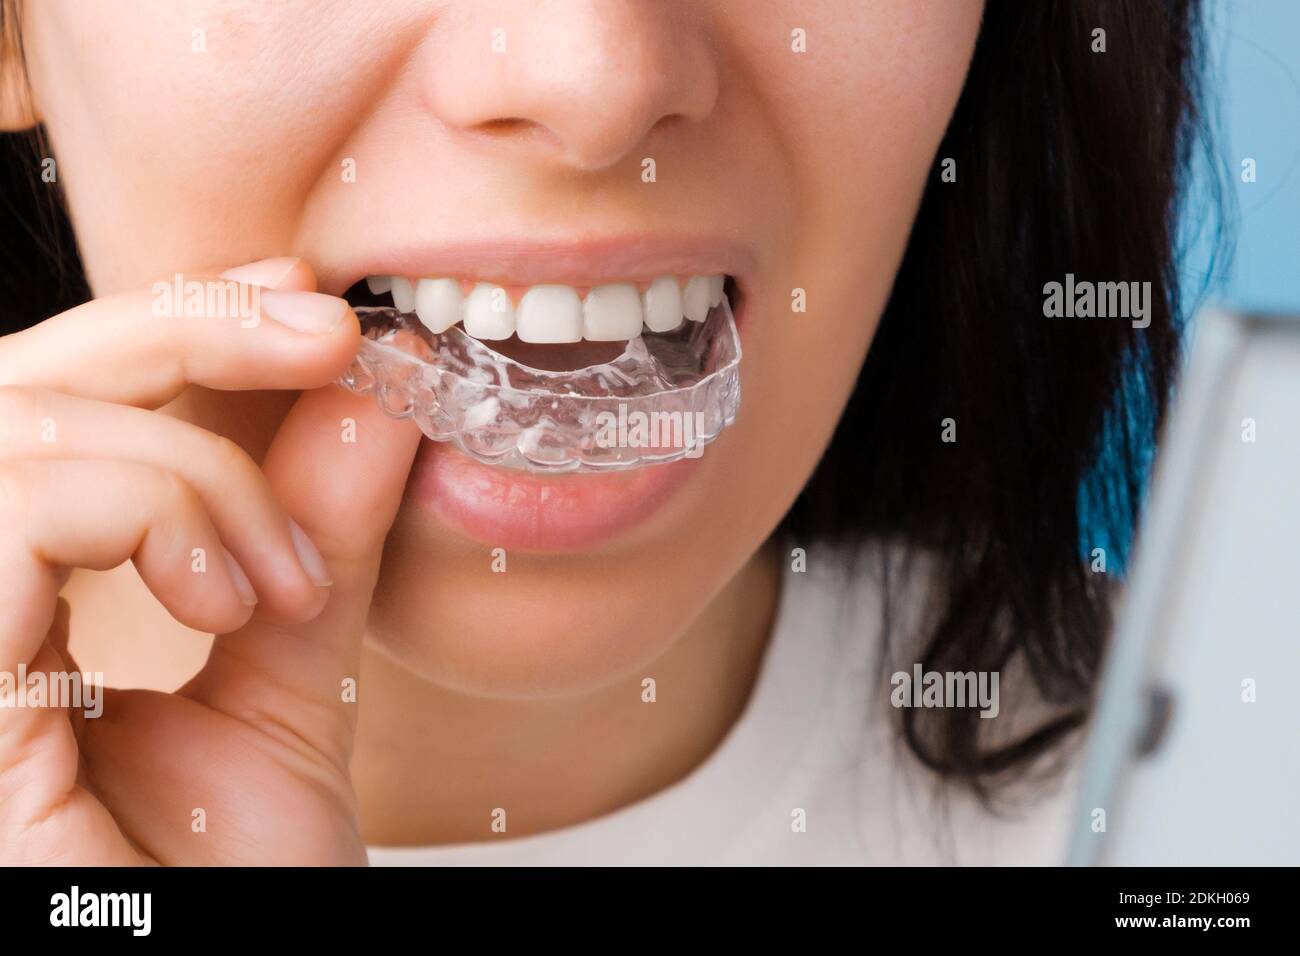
304	311
267	273
241	582
311	559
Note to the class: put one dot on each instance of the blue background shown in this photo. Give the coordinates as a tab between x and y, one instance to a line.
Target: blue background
1253	92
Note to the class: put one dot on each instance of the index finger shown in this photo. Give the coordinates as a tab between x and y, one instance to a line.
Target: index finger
223	331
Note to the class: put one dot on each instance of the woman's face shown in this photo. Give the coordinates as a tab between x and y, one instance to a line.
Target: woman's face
506	142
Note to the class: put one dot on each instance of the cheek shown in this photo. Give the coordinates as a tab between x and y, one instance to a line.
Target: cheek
862	111
859	117
862	64
200	123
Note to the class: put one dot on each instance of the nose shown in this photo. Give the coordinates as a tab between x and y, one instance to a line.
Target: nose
576	82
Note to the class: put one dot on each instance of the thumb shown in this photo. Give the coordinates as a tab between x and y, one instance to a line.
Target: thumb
339	465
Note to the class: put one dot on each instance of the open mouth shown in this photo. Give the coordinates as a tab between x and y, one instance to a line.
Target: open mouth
553	378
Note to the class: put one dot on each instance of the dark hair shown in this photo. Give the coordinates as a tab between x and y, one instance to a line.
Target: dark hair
1068	161
40	271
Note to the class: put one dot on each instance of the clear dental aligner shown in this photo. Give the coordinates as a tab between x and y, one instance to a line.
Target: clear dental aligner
665	397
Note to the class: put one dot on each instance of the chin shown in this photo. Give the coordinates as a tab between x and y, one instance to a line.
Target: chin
569	616
548	626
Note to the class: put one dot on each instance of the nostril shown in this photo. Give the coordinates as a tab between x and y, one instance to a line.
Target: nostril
505	126
670	122
514	131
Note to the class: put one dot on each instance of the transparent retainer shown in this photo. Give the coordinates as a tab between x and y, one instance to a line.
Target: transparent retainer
664	398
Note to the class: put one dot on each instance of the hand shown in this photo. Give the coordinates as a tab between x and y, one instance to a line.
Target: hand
257	745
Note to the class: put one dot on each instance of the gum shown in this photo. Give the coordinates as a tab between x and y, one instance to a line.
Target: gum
666	397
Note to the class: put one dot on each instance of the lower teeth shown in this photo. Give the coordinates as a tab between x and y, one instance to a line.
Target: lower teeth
664	398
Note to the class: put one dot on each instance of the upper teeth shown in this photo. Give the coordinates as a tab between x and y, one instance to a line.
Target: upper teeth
554	313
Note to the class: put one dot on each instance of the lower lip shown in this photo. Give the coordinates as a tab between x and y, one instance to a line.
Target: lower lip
512	509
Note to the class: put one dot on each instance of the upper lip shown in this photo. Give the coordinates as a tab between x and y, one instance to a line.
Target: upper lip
522	262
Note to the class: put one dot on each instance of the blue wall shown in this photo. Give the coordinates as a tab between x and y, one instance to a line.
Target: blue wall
1253	83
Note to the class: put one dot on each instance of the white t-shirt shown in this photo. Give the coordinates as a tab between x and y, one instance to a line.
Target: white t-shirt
813	773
